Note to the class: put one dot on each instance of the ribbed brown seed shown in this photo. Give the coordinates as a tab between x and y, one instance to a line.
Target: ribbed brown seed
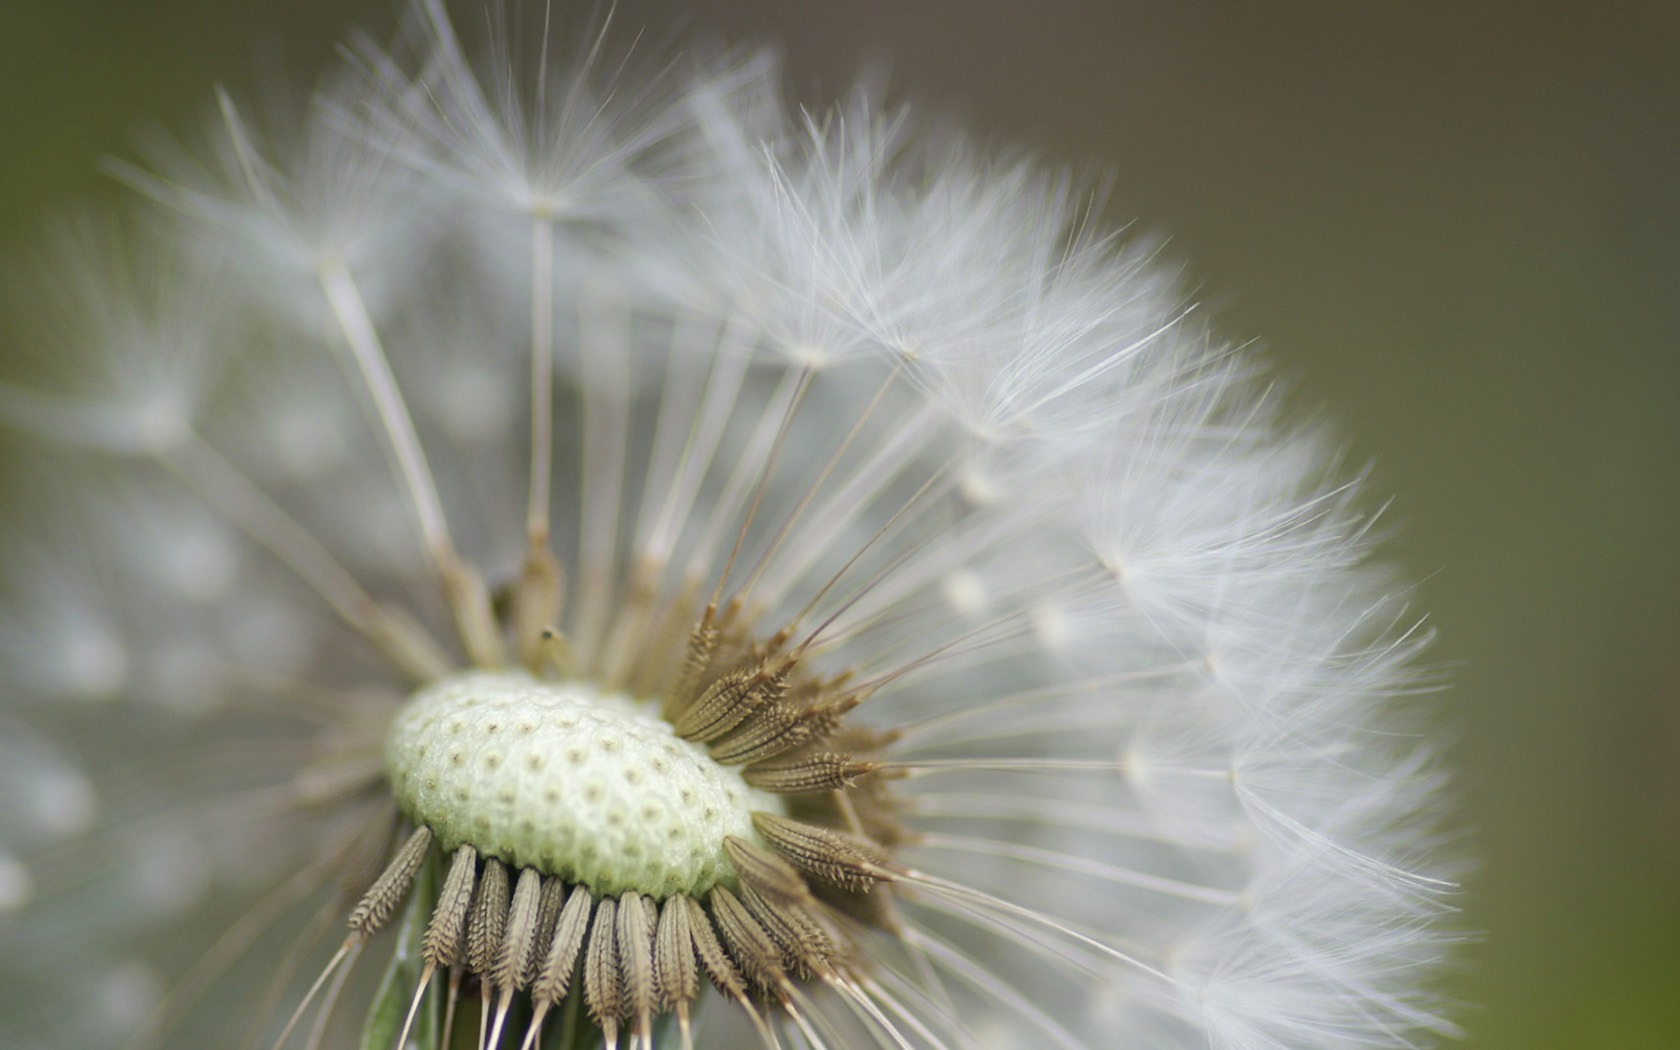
768	731
733	699
713	959
755	950
806	947
602	987
488	922
776	731
519	940
823	771
765	872
446	933
374	910
635	957
558	966
711	706
829	855
548	913
676	977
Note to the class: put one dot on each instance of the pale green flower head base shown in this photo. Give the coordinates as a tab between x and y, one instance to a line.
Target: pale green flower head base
625	803
677	571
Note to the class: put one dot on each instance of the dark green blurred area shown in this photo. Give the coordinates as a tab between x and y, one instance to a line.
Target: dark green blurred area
1455	225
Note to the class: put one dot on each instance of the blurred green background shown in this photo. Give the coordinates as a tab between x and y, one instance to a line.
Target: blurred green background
1455	225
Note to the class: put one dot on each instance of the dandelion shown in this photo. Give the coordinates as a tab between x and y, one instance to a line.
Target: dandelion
519	555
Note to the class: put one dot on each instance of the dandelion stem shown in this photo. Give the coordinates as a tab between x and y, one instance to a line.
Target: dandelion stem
363	341
542	378
605	419
467	595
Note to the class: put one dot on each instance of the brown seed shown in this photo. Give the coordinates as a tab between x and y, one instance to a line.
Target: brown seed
676	976
732	700
755	950
779	734
488	922
806	948
829	855
710	952
635	958
374	910
548	914
603	990
770	730
559	964
709	710
765	872
520	937
824	771
446	933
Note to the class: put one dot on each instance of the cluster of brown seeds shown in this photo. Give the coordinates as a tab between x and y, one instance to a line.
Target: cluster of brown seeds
791	914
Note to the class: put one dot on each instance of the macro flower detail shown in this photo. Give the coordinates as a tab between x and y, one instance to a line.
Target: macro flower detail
517	554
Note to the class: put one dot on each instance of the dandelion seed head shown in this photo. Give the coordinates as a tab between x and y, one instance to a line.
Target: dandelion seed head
567	551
